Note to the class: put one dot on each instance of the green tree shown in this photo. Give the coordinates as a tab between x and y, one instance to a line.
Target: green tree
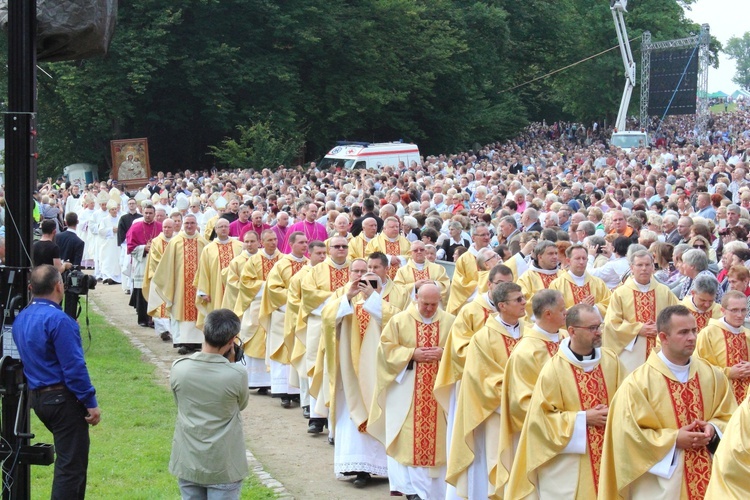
258	146
738	48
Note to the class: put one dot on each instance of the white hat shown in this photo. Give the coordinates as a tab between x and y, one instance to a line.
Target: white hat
155	198
182	202
102	197
221	203
112	204
142	195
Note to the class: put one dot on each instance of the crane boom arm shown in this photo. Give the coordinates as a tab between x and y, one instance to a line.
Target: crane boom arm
618	7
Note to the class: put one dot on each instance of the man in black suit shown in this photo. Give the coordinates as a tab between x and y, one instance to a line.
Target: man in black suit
71	250
669	226
530	220
369	206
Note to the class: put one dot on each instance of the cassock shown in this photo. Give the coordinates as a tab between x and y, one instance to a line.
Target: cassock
110	266
576	288
405	416
211	278
558	455
393	247
84	219
474	444
351	337
640	459
535	348
253	337
232	279
632	305
731	464
314	231
723	346
412	272
138	236
271	318
701	317
535	279
174	284
357	246
464	281
160	314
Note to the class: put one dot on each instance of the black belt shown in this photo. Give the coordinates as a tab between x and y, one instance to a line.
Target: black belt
49	388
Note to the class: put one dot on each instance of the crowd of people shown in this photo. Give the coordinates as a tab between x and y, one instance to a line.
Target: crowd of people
540	315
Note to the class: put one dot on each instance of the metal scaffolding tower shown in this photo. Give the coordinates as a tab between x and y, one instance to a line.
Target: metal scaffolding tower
701	41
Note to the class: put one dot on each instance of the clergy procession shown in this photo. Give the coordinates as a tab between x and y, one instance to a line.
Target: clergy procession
465	328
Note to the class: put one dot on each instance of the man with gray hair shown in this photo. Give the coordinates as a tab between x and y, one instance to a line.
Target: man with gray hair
630	322
694	264
530	220
733	215
701	300
670	229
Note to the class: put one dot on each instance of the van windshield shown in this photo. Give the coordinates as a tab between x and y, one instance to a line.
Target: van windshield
630	141
334	163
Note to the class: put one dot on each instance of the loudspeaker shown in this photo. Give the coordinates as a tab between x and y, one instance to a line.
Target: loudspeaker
71	29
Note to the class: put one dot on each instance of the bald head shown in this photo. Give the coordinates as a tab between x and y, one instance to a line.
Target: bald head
428	300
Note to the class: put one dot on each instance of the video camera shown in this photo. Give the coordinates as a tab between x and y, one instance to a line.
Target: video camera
78	282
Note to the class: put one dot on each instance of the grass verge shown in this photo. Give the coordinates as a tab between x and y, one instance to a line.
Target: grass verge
130	448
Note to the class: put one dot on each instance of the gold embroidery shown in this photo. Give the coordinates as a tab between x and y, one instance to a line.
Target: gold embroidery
425	404
580	292
547	279
645	311
592	391
424	274
267	265
339	277
363	318
190	268
737	352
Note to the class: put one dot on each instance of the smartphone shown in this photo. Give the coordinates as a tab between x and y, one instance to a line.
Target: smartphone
373	283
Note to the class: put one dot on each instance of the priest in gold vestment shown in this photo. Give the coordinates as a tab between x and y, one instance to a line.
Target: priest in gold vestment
560	448
466	275
701	300
537	346
233	271
630	322
731	464
271	317
160	314
578	286
358	244
473	451
725	343
404	415
665	419
317	288
174	284
393	244
210	280
252	281
419	270
541	273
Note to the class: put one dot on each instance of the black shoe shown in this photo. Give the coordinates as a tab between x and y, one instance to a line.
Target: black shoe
286	403
413	497
332	442
144	325
315	426
362	479
306	411
263	391
166	336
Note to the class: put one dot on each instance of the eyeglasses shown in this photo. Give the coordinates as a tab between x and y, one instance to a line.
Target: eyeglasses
517	299
699	247
591	328
340	247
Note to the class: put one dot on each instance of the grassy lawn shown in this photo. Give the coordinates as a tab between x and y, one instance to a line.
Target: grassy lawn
130	448
719	108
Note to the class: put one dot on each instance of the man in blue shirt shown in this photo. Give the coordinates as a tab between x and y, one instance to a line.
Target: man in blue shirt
62	396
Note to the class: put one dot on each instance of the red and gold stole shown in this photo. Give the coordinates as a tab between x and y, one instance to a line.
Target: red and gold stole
645	311
592	391
226	254
701	319
547	279
267	265
363	318
580	292
424	274
163	307
687	403
297	265
392	248
510	344
338	277
189	269
425	404
551	347
737	351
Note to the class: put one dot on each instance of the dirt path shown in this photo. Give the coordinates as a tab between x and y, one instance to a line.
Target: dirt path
301	462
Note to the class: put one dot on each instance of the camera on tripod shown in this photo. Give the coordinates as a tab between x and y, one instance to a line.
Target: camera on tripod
77	282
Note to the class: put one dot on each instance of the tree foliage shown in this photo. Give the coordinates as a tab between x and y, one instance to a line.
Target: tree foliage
200	73
738	48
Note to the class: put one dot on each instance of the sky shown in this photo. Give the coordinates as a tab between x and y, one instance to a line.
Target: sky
726	18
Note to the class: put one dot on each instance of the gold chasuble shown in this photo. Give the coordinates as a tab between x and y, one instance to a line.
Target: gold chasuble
404	414
410	274
521	371
399	247
724	346
357	246
470	319
464	281
211	278
252	280
551	460
350	345
731	464
535	279
573	293
273	298
701	318
210	223
629	308
317	287
479	402
174	278
295	346
158	245
644	418
232	280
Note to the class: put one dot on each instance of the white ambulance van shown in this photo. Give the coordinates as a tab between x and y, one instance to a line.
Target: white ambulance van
371	156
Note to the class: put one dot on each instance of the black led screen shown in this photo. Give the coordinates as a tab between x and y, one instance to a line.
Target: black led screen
667	68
